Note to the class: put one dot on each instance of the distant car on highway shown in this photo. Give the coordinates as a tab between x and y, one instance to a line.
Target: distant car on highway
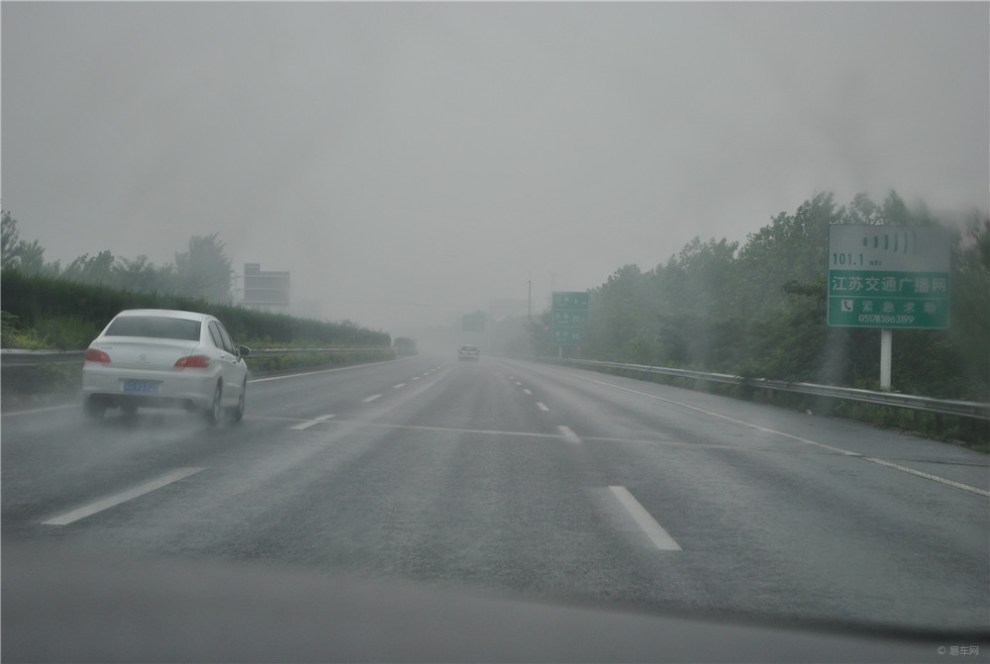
165	358
468	352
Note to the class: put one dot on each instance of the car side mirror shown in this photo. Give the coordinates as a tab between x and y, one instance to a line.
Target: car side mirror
243	351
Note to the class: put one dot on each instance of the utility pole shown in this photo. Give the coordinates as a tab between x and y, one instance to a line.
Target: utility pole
529	301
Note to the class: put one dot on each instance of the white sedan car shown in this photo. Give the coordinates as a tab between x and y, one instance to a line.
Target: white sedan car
468	353
164	358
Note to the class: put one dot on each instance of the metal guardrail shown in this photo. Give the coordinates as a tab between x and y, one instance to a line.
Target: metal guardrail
28	358
289	351
971	409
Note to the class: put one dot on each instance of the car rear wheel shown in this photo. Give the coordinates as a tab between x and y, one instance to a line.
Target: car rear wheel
94	408
236	413
129	410
216	408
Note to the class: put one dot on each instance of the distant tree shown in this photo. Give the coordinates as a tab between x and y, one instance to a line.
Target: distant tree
970	328
143	276
540	334
15	253
9	239
760	310
204	271
791	249
978	246
31	259
618	313
96	270
863	211
707	278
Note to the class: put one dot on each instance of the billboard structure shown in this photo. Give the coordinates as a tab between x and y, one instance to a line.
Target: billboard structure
265	289
888	277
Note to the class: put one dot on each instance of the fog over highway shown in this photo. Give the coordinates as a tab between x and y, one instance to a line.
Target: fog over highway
411	162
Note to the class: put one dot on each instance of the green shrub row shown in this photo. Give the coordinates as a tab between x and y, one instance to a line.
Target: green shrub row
271	364
46	312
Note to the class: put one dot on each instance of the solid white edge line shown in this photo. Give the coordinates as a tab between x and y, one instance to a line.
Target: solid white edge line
568	434
542	406
929	476
313	422
46	409
806	441
371	398
122	497
313	373
729	419
644	520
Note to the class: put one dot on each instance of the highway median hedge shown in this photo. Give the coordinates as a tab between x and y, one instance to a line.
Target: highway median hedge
41	312
65	315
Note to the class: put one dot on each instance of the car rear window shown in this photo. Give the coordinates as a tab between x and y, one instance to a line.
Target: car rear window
158	327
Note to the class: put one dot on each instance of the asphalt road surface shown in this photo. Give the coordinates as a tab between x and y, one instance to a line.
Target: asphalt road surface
530	481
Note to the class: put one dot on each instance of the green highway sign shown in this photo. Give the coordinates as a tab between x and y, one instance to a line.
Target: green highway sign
566	337
888	277
918	300
569	315
570	301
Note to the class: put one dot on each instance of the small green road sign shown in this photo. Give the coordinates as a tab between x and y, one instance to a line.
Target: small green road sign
569	315
888	277
566	337
570	301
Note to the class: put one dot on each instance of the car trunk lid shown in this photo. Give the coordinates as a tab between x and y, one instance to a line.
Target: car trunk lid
145	353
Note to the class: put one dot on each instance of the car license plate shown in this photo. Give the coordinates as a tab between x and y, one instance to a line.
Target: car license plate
140	386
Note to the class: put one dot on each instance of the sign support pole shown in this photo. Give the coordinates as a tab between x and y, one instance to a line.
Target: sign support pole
886	348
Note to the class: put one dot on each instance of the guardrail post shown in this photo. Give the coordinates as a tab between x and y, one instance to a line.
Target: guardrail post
886	348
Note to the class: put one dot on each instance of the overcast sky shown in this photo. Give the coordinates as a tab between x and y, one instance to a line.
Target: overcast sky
410	162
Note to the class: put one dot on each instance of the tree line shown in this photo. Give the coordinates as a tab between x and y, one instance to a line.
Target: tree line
47	305
203	271
758	309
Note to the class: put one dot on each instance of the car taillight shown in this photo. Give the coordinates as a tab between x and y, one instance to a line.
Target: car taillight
193	362
94	355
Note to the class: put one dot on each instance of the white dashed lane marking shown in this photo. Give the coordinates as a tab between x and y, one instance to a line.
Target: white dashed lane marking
838	450
122	497
313	422
644	520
